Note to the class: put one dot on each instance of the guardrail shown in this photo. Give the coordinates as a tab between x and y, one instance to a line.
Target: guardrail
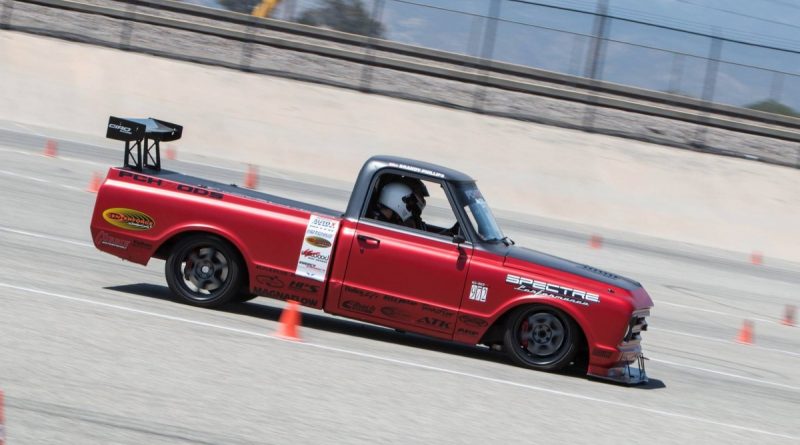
376	53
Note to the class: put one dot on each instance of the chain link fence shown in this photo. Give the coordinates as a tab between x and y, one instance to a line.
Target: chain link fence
589	44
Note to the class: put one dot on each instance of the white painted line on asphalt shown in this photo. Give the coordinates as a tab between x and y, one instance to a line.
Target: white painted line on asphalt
727	374
40	180
415	365
29	129
59	157
44	236
722	340
711	311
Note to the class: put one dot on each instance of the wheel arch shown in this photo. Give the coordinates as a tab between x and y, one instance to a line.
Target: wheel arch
494	333
163	251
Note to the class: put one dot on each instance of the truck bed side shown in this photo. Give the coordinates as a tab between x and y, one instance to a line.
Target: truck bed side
138	216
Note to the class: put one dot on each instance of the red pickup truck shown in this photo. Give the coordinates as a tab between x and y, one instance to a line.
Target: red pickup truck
417	249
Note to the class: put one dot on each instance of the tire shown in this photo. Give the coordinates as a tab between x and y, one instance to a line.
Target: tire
541	337
205	271
244	296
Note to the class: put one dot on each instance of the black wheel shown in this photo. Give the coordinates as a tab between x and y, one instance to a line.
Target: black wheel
541	337
205	271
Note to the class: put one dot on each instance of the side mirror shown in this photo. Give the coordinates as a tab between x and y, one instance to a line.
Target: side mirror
459	238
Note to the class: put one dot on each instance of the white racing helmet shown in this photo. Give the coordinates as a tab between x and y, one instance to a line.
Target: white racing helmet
402	200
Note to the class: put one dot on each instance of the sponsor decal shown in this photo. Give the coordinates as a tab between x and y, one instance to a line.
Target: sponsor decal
442	312
284	296
128	219
200	191
317	247
304	287
317	241
396	313
396	300
473	321
467	332
270	280
478	292
274	282
355	306
106	239
308	265
140	178
602	353
537	287
120	128
141	244
362	292
434	322
311	253
412	168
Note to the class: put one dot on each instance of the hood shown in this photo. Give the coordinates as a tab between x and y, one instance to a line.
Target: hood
522	258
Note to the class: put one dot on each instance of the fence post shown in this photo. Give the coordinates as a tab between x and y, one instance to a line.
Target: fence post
127	29
594	61
487	52
288	15
676	74
776	89
709	86
5	18
366	71
247	50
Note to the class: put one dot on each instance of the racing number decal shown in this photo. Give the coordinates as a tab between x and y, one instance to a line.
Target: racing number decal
315	254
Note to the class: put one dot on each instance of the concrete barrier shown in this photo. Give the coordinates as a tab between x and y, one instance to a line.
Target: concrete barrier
596	180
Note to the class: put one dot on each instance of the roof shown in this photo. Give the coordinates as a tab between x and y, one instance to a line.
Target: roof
423	168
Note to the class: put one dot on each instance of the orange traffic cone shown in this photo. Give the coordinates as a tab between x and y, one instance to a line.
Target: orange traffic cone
94	184
596	241
251	177
757	258
51	148
171	154
746	334
290	319
788	317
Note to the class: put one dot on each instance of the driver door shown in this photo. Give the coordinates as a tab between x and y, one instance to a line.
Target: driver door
406	277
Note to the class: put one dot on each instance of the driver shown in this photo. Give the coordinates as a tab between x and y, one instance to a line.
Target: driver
401	202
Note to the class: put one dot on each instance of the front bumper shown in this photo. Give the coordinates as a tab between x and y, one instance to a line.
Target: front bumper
627	372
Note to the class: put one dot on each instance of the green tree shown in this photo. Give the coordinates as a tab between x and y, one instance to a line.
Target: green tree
343	15
242	6
773	106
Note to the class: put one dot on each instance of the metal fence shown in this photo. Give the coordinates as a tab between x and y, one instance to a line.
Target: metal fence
473	79
595	45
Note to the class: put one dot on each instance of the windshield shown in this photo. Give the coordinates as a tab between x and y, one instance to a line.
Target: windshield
478	212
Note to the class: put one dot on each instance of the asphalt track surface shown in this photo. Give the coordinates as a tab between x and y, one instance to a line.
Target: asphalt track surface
94	350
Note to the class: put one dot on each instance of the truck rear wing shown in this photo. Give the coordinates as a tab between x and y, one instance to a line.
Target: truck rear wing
143	135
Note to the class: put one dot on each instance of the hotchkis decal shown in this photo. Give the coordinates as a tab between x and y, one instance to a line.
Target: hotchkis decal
478	291
537	287
113	241
315	254
128	219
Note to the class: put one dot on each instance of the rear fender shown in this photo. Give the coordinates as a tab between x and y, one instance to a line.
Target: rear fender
173	235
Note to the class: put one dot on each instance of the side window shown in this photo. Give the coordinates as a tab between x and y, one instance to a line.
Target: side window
413	203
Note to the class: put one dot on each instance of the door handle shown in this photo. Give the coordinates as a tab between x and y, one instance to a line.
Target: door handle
369	240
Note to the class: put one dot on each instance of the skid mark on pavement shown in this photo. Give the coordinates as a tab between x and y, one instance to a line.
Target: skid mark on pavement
675	415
